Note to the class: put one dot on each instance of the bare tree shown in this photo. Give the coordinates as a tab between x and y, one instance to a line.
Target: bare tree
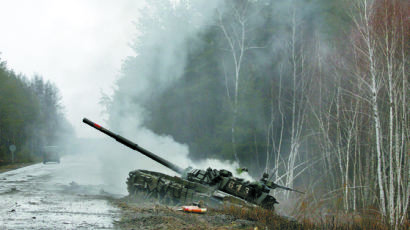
382	28
236	35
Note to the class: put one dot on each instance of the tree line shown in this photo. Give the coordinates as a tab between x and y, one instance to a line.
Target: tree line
313	92
30	115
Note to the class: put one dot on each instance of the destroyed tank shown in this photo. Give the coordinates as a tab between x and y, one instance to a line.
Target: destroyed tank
211	186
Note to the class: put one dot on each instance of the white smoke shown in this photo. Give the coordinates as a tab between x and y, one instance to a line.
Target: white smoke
161	48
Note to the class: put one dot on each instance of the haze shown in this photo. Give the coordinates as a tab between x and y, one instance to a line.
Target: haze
78	45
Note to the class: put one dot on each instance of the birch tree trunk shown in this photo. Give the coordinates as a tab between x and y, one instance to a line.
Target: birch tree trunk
299	85
237	48
363	25
383	26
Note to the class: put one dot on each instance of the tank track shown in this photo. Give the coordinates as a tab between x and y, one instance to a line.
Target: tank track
171	190
166	189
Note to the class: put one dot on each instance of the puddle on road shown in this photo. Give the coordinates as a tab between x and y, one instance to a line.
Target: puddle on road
10	191
39	198
56	211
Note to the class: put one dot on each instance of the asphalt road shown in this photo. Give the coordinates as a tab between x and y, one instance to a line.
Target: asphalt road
69	195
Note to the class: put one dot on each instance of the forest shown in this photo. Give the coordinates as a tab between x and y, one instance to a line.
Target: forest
314	92
31	115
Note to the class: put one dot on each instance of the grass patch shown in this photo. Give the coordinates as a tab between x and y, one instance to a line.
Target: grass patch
8	167
152	215
270	220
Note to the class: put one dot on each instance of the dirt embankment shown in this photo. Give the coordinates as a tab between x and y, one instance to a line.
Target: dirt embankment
144	215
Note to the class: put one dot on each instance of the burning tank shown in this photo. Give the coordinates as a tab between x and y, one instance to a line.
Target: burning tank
211	186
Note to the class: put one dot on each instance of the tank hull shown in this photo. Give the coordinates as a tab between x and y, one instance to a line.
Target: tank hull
173	190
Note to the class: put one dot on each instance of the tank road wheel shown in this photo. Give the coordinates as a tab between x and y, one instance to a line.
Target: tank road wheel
151	195
171	196
269	203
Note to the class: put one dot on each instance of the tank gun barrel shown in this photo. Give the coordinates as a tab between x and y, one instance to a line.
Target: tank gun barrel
134	146
272	185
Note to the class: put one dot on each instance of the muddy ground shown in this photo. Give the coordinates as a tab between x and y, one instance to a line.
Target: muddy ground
139	214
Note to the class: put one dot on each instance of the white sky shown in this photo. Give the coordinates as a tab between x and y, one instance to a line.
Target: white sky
77	44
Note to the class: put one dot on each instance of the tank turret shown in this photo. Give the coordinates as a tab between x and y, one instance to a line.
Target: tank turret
211	186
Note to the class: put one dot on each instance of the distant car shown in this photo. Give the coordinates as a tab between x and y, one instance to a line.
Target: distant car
51	154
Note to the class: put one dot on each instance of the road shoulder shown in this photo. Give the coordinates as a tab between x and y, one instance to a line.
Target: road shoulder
9	167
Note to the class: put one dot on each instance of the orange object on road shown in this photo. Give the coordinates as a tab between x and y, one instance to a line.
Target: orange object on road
194	209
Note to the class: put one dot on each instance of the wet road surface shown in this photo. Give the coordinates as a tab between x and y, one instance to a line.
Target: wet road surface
69	195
